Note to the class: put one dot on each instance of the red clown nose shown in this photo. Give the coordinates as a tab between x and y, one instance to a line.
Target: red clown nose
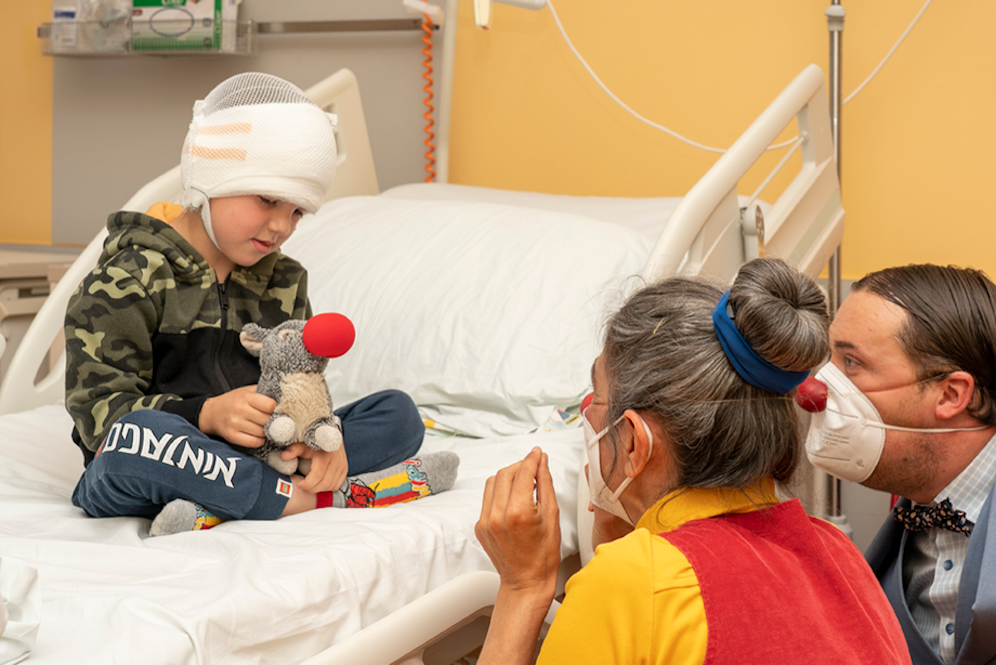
328	335
812	395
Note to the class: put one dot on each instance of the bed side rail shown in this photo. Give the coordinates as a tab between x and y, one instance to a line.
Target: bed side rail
804	225
403	635
19	392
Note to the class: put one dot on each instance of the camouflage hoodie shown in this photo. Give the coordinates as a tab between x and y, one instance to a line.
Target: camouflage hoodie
151	327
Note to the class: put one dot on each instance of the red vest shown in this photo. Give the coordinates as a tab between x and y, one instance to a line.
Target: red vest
781	587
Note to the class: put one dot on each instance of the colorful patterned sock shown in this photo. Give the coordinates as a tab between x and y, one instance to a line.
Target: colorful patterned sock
412	479
181	515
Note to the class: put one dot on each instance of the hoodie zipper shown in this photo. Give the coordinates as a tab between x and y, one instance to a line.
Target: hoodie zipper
223	300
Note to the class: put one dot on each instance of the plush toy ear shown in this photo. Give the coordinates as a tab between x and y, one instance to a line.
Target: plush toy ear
252	337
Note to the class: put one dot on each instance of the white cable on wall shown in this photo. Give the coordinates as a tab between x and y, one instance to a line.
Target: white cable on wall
619	101
694	144
889	54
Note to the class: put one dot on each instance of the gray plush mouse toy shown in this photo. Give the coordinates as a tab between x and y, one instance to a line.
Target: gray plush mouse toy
293	357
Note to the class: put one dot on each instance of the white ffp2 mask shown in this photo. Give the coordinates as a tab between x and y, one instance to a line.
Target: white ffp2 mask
601	495
846	438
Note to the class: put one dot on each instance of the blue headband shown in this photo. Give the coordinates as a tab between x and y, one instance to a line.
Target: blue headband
751	367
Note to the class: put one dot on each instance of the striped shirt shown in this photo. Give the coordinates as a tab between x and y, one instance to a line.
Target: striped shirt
935	557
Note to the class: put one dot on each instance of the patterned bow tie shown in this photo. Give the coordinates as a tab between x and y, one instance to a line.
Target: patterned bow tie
943	516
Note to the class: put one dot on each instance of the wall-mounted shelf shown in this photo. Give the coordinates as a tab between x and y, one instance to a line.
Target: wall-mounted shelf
82	39
121	38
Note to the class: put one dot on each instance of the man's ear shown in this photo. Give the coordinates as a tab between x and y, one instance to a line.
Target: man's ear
956	392
638	446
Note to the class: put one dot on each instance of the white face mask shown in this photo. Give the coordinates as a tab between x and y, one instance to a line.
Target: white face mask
601	495
846	439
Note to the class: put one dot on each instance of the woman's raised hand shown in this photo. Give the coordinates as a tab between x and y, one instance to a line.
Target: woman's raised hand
520	530
520	533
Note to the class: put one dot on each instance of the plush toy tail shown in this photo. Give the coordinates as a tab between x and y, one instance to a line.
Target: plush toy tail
412	479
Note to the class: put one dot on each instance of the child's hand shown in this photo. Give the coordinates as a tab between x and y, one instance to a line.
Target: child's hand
237	416
328	469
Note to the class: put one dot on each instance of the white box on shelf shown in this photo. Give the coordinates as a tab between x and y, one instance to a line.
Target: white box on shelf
62	39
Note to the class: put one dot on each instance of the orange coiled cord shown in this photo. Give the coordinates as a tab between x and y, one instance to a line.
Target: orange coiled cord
430	153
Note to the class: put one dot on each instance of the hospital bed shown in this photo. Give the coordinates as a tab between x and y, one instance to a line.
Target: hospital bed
486	307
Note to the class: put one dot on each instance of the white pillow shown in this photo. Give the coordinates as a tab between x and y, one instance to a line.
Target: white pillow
477	305
647	216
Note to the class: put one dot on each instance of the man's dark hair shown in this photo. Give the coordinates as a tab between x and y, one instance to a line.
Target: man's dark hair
950	324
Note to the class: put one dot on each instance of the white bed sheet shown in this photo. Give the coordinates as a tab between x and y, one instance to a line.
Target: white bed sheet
243	592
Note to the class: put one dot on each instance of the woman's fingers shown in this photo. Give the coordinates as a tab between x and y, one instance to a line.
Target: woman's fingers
489	492
546	497
503	488
481	528
509	506
524	479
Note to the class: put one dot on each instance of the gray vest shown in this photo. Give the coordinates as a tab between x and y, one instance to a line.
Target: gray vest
975	616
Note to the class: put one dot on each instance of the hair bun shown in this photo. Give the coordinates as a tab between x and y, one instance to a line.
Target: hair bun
781	313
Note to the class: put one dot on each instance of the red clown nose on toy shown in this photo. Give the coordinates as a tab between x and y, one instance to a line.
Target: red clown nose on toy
328	335
812	395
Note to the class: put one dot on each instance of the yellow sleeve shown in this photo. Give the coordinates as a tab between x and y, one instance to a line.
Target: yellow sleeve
637	601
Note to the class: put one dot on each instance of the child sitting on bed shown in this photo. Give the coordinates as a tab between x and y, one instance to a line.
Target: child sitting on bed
155	368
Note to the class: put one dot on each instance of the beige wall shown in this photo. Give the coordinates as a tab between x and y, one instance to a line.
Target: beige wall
25	126
916	142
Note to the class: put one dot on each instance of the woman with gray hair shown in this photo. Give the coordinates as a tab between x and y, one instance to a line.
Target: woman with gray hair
689	426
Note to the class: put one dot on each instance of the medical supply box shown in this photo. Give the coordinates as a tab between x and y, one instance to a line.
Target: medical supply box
184	25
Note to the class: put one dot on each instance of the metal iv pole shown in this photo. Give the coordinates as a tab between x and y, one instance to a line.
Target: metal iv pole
835	24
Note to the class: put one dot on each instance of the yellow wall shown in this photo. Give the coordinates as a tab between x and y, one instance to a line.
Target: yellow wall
25	126
916	141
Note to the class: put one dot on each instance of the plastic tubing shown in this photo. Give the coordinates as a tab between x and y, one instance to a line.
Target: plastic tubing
430	153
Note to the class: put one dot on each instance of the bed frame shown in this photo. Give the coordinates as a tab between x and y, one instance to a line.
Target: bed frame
708	233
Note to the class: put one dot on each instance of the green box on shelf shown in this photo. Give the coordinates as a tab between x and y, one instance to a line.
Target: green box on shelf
184	25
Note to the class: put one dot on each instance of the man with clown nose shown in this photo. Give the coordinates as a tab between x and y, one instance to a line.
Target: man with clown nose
907	405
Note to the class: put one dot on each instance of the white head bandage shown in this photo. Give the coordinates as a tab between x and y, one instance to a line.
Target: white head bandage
257	134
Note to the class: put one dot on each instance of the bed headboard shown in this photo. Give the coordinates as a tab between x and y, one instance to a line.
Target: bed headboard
355	175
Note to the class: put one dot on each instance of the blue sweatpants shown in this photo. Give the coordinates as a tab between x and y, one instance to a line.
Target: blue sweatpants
150	458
